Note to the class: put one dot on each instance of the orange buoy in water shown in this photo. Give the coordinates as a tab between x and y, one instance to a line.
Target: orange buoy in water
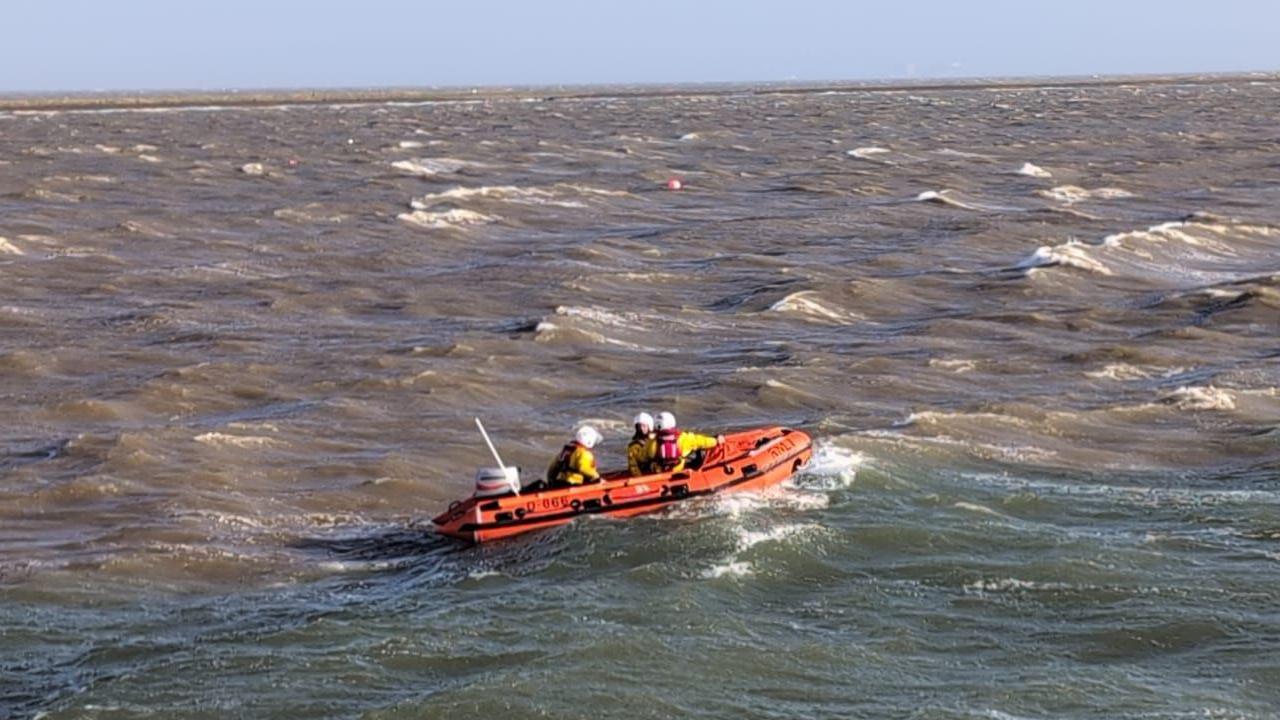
675	184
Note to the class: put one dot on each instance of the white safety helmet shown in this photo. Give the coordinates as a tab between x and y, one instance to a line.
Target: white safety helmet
666	421
587	436
645	421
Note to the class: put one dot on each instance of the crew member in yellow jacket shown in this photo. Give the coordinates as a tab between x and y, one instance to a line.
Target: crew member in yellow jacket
576	463
639	456
670	447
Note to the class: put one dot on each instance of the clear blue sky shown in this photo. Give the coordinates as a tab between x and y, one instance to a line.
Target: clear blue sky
50	45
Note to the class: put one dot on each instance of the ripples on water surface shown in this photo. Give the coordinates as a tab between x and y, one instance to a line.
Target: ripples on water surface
1034	331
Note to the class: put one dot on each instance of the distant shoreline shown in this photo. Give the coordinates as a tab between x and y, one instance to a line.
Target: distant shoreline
125	100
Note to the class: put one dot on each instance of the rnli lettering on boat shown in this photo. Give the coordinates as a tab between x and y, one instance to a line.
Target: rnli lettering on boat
783	447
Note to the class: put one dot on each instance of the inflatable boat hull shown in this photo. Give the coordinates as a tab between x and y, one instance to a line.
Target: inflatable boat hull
747	460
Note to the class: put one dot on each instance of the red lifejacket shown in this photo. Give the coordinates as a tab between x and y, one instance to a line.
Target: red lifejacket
668	455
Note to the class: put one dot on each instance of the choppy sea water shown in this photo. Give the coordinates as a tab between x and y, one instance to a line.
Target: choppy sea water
1033	331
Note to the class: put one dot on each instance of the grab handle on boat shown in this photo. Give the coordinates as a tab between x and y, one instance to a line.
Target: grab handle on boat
715	455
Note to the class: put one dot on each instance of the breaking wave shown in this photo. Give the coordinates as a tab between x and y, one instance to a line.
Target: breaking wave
806	304
1200	398
505	193
428	167
867	153
1071	194
447	219
1174	252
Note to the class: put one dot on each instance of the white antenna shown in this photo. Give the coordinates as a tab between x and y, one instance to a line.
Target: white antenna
489	442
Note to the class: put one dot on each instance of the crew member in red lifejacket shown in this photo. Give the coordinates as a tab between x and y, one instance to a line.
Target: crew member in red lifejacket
670	447
576	464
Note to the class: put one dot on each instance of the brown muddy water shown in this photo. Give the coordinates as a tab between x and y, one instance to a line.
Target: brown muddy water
1034	332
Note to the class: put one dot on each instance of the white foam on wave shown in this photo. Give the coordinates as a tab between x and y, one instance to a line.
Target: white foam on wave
790	496
629	320
995	714
976	508
804	303
834	466
1119	371
226	519
748	539
930	417
1143	496
1124	371
1178	231
507	193
937	423
342	567
240	441
802	497
952	152
953	365
1200	398
426	167
310	213
1034	171
867	153
589	190
944	197
1210	244
734	565
1071	194
1072	253
1068	194
600	315
447	219
98	179
1221	294
732	568
1012	585
8	248
982	450
547	331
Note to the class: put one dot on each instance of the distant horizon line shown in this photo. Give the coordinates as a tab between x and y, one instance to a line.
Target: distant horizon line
142	99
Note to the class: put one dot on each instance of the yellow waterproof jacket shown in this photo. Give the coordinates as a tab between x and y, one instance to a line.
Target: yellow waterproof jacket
686	443
639	459
574	465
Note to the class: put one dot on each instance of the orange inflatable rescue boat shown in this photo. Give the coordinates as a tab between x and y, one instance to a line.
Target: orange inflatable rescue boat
746	460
